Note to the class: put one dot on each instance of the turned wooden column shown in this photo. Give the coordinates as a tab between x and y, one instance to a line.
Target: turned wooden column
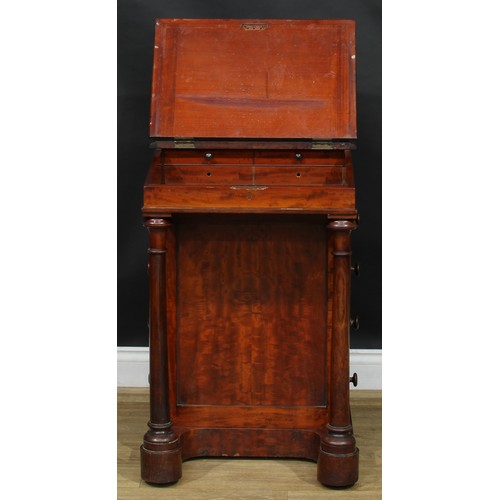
338	460
160	452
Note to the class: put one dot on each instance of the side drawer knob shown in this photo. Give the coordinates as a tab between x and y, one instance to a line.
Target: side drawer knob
355	323
354	380
209	156
355	268
298	156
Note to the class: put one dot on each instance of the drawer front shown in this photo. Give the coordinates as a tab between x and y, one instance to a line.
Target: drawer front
205	175
299	175
299	157
208	157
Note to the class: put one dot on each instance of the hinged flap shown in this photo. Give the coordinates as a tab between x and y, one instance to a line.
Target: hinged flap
254	79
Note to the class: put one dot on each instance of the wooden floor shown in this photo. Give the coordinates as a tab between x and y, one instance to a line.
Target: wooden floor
234	479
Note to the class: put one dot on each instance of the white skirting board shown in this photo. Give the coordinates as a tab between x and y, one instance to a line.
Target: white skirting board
133	367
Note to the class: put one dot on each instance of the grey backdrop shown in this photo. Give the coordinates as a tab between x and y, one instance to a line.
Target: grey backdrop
136	20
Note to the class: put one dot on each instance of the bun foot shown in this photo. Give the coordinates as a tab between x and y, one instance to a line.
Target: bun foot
338	470
161	467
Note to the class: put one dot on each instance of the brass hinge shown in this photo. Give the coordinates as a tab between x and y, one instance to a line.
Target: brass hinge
321	144
184	143
329	144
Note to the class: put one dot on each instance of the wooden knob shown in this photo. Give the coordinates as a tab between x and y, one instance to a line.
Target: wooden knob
355	323
354	380
355	268
209	156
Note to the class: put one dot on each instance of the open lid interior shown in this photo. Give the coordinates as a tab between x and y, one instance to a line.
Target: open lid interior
244	79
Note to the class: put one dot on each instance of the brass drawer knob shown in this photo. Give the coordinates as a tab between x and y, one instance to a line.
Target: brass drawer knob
209	156
298	156
355	268
355	323
354	380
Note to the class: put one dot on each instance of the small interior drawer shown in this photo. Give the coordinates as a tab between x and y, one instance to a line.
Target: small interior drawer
299	157
209	174
299	175
207	157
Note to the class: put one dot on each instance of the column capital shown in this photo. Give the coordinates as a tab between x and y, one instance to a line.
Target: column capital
158	222
341	225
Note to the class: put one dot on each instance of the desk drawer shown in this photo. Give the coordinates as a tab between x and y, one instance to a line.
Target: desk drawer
299	157
209	174
299	175
208	157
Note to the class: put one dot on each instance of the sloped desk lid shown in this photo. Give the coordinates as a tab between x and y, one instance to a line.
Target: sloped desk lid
254	79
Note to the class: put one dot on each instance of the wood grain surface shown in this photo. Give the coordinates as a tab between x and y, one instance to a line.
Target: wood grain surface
251	78
251	311
263	199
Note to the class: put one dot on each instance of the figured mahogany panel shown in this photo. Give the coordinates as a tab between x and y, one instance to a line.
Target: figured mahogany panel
254	79
251	311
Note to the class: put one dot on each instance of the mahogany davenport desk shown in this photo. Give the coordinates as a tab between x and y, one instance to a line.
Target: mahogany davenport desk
250	203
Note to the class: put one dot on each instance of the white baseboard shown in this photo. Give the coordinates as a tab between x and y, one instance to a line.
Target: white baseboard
367	363
133	367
